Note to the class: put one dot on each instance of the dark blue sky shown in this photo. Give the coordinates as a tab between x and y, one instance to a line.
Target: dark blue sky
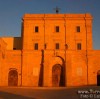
11	12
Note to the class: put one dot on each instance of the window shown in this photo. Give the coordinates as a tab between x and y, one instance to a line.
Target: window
57	28
57	45
78	46
36	29
78	28
36	46
14	48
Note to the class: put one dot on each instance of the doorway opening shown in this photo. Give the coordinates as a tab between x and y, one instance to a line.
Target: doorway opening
57	75
98	78
13	78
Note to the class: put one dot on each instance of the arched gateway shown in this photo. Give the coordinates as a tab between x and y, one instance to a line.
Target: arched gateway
13	78
57	75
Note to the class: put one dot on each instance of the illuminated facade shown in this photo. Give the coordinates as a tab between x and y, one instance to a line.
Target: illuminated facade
53	50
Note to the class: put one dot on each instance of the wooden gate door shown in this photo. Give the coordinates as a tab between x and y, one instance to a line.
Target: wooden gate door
56	74
13	78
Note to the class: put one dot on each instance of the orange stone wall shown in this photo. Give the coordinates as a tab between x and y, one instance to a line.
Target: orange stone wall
9	60
93	66
76	61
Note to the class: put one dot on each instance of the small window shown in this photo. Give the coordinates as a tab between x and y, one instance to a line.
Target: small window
79	46
78	28
14	48
36	46
36	29
57	45
57	28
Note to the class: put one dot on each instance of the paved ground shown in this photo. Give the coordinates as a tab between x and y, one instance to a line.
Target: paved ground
47	93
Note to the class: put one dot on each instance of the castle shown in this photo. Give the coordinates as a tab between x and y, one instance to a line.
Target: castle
54	50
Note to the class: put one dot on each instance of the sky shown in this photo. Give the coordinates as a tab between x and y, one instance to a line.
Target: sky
12	11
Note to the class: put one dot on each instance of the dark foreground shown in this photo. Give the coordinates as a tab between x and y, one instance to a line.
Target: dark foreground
49	93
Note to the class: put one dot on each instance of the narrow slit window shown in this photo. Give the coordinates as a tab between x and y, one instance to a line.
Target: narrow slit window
79	47
14	48
57	28
36	46
78	28
36	29
57	45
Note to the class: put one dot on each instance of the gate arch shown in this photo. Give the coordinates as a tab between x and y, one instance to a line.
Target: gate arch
13	78
57	73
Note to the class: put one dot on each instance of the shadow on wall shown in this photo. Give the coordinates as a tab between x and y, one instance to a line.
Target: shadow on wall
17	45
40	83
6	95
